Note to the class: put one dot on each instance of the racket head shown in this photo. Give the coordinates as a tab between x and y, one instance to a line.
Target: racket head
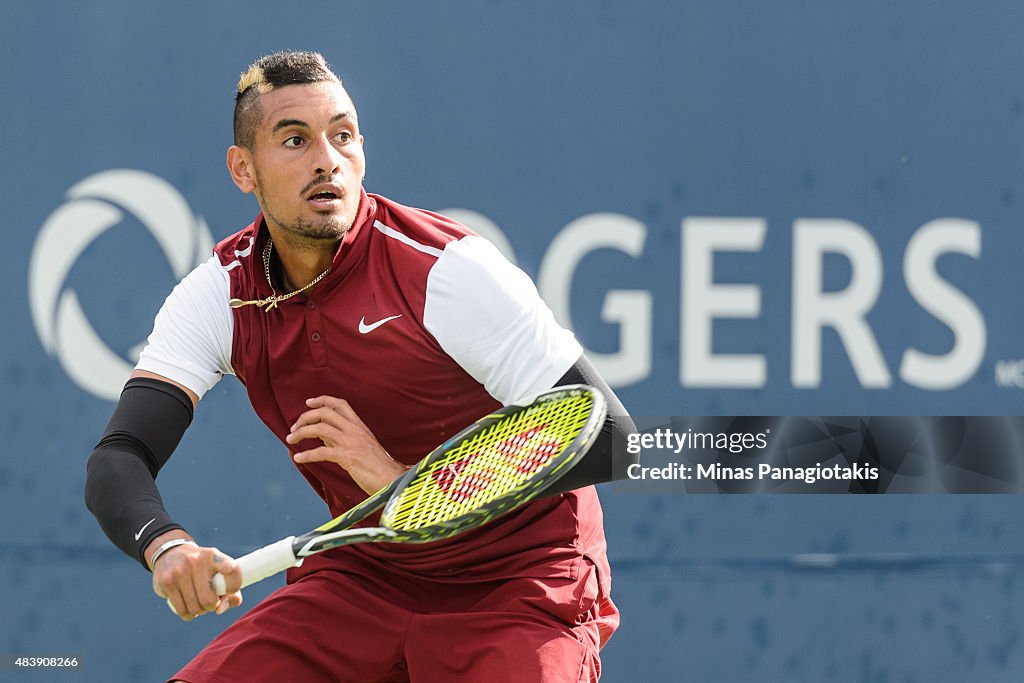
496	464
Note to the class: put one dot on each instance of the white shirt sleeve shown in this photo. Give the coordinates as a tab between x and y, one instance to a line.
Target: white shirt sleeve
488	316
191	339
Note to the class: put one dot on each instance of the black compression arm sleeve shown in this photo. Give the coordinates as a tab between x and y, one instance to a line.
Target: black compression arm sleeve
607	459
120	488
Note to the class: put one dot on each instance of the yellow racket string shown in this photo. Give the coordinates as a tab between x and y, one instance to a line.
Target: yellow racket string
492	463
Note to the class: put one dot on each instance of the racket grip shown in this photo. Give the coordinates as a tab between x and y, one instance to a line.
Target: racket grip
260	564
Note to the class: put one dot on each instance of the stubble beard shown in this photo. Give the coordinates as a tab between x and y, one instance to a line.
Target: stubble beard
305	233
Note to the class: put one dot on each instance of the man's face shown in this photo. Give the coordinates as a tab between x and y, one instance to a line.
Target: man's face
307	161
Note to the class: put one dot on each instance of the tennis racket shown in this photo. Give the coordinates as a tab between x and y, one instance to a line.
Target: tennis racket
489	468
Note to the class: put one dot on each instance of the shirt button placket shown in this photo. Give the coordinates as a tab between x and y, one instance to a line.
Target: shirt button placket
314	330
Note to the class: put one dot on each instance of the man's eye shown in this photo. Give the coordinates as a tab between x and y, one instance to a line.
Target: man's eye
293	141
344	136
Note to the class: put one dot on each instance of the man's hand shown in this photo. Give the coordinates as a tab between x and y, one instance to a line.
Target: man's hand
346	441
184	576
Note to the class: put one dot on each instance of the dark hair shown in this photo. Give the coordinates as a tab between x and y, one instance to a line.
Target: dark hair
274	71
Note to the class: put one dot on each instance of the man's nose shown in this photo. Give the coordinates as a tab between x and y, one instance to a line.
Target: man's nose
327	159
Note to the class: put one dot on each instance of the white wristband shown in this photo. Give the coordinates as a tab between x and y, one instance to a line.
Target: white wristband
164	548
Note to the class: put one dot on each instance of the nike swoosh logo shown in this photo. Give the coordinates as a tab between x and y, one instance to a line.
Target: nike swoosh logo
139	535
366	329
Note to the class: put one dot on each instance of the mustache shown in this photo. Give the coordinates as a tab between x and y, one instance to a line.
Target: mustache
321	180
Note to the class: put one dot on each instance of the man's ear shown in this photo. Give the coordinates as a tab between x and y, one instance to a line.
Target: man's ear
241	169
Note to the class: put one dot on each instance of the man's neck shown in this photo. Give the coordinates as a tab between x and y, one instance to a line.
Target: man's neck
301	262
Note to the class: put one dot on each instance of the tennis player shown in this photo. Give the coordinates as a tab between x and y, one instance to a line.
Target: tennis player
365	333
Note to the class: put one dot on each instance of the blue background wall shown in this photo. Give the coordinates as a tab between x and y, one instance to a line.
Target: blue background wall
535	115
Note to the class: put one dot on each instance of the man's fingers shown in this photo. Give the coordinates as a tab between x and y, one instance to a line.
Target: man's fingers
206	596
337	405
348	442
324	432
319	454
177	604
193	602
231	574
322	414
180	592
228	602
187	609
185	579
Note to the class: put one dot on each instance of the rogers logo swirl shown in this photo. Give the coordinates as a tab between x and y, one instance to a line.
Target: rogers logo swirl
95	205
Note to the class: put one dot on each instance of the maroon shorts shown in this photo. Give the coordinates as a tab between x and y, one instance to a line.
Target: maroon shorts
337	625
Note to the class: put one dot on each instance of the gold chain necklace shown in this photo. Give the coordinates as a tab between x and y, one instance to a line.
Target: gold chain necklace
274	299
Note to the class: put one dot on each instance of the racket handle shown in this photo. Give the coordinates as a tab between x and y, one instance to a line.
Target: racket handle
260	564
